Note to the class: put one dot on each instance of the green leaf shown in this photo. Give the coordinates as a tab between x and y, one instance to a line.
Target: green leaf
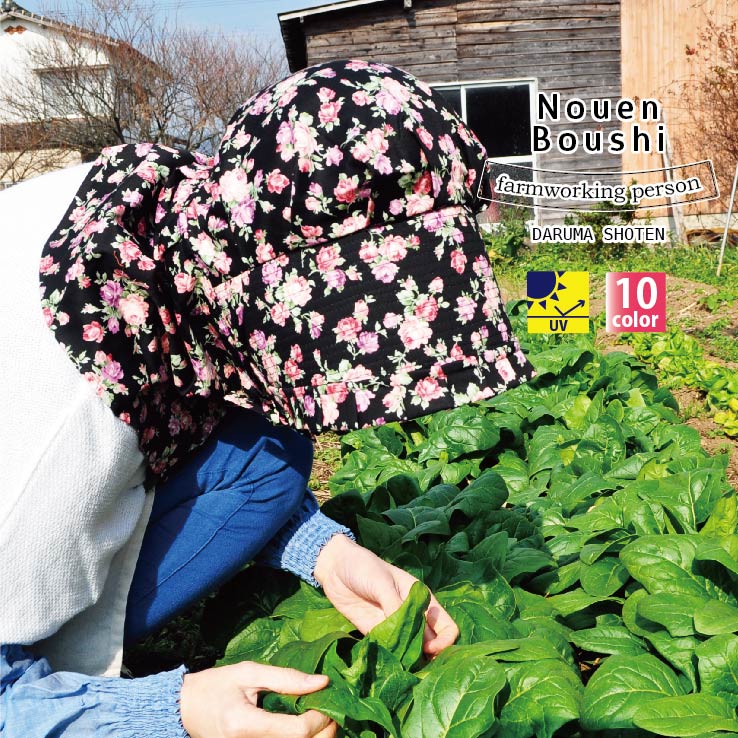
402	632
305	599
609	639
257	642
689	497
375	672
679	652
688	715
544	695
675	612
716	617
455	698
481	611
571	602
621	686
317	623
604	577
723	519
723	550
665	564
717	660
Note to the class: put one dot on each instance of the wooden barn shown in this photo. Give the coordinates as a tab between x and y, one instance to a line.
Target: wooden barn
491	58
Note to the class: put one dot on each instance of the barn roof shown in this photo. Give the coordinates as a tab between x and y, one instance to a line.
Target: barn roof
293	34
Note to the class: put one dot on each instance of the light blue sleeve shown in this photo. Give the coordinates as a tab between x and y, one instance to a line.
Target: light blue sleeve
36	702
296	546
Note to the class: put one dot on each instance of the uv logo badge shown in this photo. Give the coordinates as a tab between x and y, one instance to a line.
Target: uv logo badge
558	302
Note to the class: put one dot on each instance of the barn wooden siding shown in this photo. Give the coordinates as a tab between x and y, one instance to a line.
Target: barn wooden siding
656	35
570	46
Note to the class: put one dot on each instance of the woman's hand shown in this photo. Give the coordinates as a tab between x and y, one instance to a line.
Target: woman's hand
367	590
221	703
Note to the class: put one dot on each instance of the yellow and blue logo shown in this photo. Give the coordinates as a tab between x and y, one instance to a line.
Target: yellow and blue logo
558	302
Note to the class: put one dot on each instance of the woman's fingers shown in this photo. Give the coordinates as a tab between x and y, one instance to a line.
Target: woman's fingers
443	626
311	724
261	678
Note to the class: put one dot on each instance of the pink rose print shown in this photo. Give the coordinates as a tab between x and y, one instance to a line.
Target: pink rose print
391	320
292	370
276	181
334	156
133	309
234	185
417	204
93	332
184	282
327	258
465	307
368	252
458	261
147	172
423	184
110	293
385	271
258	340
345	190
505	369
414	332
337	391
311	232
361	310
271	272
427	309
280	312
392	96
428	389
297	290
316	324
335	279
328	112
393	248
368	342
425	138
363	397
330	409
113	371
456	353
129	252
304	140
347	329
361	98
48	266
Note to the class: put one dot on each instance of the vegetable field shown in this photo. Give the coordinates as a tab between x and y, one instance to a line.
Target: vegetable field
575	529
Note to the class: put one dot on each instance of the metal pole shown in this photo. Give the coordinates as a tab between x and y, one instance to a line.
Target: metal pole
727	222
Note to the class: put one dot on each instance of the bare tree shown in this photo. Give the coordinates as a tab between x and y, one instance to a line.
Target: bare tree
709	99
116	71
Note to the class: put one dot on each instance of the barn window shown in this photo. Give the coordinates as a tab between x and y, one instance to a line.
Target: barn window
500	114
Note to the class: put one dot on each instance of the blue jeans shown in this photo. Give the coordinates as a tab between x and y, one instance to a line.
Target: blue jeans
214	515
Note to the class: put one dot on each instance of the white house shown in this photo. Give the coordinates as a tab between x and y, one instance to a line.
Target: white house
32	48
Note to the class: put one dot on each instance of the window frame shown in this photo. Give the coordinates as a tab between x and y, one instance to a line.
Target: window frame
532	84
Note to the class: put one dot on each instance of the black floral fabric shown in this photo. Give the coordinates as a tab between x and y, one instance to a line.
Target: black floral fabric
325	268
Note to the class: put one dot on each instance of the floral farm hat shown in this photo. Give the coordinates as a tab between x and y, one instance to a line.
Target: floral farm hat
324	268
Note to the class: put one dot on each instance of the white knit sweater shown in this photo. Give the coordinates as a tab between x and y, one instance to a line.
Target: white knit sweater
72	507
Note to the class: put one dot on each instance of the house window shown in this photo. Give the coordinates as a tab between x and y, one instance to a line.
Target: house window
75	91
500	114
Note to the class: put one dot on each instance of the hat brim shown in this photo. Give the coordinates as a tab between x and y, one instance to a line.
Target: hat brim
384	324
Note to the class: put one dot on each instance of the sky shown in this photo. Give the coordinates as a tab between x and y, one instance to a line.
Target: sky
233	16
